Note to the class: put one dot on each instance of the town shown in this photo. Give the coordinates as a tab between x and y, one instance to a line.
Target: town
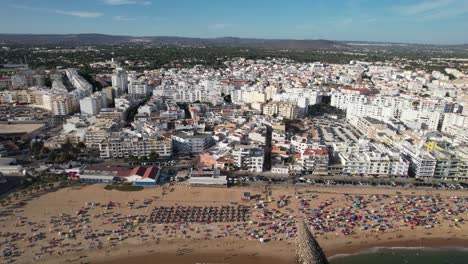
105	157
276	119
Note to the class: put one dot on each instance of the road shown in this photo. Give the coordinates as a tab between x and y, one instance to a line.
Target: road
12	183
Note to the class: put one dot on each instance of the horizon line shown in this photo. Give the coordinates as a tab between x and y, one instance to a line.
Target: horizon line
260	38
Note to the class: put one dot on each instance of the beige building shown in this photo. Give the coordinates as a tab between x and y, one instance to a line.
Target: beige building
284	110
124	146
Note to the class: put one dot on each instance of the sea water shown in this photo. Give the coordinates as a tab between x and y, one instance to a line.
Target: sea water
405	256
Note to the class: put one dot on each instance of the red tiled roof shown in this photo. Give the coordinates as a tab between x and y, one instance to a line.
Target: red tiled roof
151	172
317	152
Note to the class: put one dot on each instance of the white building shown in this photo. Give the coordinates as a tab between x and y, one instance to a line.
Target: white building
137	87
93	104
284	110
422	164
120	81
207	177
123	145
191	143
421	119
248	157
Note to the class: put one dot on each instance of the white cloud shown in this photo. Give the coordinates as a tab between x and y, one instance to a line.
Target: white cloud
219	26
81	14
78	13
124	18
434	10
424	7
127	2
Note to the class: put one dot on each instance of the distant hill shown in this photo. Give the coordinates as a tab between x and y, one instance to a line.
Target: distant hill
100	39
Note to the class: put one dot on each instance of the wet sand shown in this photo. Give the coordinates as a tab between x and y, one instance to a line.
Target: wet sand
190	256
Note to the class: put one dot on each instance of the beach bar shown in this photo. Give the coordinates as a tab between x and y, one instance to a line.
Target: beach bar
207	177
102	178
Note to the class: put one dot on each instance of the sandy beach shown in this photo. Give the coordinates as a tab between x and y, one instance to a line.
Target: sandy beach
91	225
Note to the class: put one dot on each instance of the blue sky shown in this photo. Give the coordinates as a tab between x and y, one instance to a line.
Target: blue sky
433	21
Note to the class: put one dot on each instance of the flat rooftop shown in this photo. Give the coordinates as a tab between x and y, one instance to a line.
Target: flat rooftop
19	128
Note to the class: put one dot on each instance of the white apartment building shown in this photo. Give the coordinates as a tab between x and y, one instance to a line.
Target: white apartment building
451	164
454	120
248	157
368	159
342	101
58	104
459	134
314	161
191	143
300	97
373	163
137	87
421	119
78	81
95	136
122	145
93	104
120	81
374	111
422	164
435	105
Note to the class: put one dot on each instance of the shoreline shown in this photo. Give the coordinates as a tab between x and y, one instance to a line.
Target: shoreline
412	244
199	251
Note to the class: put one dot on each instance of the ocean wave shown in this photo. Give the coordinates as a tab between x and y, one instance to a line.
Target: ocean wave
373	250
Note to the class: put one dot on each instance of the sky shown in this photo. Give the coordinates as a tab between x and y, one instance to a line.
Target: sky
409	21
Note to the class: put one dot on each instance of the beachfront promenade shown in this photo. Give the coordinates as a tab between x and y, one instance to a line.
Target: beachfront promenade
308	251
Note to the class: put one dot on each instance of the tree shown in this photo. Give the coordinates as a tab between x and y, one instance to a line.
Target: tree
451	76
52	156
36	148
153	156
64	157
45	151
227	99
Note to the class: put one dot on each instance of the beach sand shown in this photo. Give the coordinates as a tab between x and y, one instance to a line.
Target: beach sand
222	246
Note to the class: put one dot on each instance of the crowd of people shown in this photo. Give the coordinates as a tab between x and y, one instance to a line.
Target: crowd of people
98	225
350	214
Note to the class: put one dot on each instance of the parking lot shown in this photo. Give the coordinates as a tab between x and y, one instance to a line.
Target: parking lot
370	182
331	130
9	112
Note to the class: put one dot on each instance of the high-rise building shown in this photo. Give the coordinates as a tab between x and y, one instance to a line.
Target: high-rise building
137	87
93	104
120	80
